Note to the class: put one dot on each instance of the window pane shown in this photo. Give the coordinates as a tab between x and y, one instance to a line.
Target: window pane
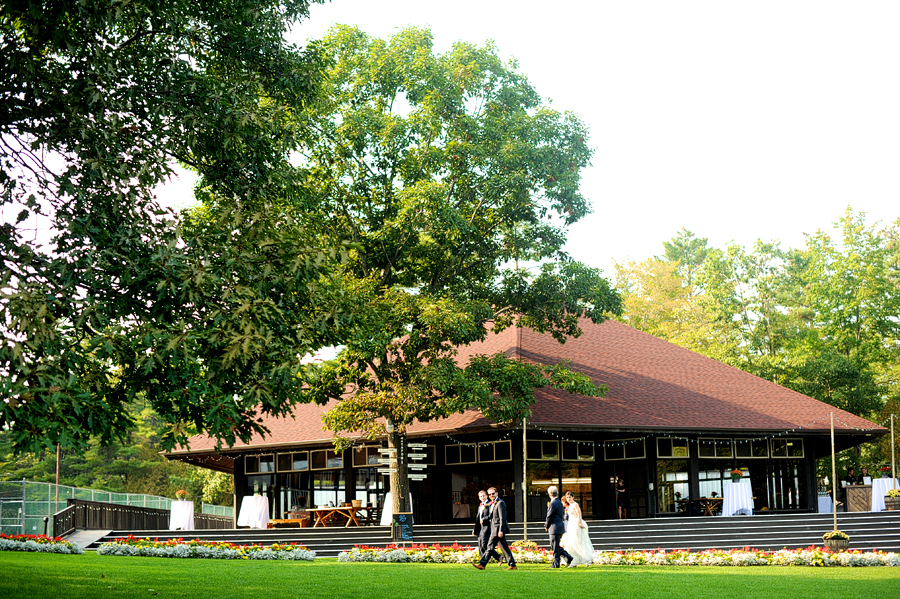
467	454
284	462
335	460
503	451
301	460
634	449
541	475
787	448
318	460
586	452
664	448
288	462
672	447
486	452
267	463
577	478
569	451
365	456
715	448
430	455
755	448
760	448
550	450
673	489
613	451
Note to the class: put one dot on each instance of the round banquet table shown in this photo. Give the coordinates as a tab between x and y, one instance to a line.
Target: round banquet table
737	499
880	486
387	512
254	511
181	515
825	504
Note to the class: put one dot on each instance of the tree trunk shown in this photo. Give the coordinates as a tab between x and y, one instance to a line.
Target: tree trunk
399	479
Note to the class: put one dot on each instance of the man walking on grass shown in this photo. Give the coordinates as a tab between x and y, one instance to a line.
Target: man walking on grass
499	530
555	526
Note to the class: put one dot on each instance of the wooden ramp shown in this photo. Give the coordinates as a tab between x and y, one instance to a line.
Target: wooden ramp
867	530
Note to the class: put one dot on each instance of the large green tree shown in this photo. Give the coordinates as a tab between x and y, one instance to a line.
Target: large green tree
106	297
455	182
821	319
130	465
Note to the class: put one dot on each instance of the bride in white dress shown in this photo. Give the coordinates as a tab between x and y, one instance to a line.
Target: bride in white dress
576	539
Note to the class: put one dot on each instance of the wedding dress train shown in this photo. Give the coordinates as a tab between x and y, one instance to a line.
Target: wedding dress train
576	539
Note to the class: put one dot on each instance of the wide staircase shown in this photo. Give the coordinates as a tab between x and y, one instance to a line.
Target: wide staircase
867	530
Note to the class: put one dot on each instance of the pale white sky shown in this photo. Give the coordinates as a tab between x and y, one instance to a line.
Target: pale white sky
737	120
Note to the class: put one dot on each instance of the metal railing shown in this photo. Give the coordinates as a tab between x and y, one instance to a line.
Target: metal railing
87	515
24	505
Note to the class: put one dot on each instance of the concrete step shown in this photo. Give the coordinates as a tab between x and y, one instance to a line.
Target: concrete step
768	532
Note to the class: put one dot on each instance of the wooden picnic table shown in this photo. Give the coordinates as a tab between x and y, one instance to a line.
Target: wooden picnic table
323	515
706	505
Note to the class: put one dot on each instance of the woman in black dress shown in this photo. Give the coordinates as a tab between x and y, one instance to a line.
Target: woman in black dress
620	499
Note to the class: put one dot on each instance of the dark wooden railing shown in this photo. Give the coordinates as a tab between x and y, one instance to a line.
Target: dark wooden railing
81	514
64	521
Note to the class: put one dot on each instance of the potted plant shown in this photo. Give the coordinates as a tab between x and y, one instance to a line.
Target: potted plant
836	540
736	475
885	471
181	494
892	500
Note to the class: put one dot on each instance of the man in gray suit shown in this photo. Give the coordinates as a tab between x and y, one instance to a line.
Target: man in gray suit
554	525
499	530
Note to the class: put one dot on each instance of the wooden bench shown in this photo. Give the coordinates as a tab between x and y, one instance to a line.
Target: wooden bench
289	523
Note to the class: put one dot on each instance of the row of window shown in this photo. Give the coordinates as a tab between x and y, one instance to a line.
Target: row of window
321	459
675	447
537	450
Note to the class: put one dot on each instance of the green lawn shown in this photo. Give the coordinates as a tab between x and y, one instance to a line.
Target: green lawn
30	575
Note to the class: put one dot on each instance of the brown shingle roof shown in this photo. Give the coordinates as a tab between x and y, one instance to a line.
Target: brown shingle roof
653	384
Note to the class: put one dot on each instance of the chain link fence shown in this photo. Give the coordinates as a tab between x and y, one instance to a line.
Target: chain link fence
24	504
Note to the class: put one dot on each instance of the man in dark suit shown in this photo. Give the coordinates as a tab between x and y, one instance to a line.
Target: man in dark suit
554	525
482	528
499	530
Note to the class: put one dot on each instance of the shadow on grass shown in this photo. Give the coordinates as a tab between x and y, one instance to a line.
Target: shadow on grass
63	576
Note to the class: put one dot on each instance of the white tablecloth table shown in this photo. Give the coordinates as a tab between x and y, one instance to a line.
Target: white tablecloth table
737	499
880	486
181	515
825	505
387	514
254	511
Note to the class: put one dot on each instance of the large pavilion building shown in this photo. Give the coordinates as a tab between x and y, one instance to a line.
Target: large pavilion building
672	426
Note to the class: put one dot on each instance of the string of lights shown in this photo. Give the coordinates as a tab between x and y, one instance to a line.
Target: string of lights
476	443
822	422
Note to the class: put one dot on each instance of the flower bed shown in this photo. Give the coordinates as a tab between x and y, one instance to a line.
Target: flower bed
456	554
135	546
41	543
435	554
811	556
